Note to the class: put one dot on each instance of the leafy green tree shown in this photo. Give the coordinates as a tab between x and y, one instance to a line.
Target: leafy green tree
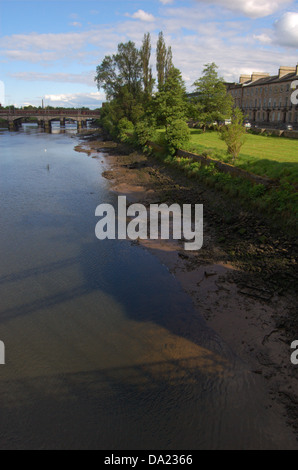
129	63
212	101
170	102
164	60
170	108
125	128
148	81
122	69
178	135
144	131
121	76
107	77
234	134
161	54
169	62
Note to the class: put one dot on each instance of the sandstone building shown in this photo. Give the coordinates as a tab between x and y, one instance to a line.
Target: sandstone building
266	100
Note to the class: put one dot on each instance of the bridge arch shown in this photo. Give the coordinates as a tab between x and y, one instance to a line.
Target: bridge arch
45	116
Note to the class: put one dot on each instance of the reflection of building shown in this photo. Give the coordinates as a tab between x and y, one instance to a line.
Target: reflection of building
266	100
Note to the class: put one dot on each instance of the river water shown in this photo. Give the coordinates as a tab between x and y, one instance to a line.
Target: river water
103	348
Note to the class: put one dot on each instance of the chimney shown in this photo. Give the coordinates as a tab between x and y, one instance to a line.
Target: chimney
285	70
258	75
245	78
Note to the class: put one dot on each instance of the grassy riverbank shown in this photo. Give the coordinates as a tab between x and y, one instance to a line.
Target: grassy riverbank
272	157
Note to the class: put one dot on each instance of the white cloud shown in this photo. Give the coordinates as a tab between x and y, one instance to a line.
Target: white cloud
286	30
46	41
263	38
49	47
76	24
141	15
30	56
166	2
252	8
230	44
90	100
191	53
86	78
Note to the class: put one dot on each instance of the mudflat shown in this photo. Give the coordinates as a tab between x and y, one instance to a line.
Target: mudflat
242	281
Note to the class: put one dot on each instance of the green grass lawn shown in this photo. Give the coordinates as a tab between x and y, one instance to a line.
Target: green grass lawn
275	157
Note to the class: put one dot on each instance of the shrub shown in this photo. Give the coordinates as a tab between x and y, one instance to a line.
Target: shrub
144	132
177	136
125	127
234	134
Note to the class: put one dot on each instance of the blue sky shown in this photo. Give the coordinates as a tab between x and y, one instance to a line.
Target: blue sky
50	49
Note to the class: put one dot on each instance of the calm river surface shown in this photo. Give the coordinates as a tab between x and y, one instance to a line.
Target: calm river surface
103	349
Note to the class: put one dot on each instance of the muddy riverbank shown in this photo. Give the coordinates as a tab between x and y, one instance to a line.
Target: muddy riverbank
243	279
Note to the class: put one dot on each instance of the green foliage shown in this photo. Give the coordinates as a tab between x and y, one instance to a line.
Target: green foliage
164	60
109	126
274	158
280	203
125	127
110	115
234	134
145	52
169	103
212	103
144	131
177	136
120	76
122	69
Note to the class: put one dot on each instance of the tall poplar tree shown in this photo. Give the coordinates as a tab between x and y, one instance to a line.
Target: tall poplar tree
161	57
148	80
169	62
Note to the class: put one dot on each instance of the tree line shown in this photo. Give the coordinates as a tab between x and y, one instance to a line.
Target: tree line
42	108
138	103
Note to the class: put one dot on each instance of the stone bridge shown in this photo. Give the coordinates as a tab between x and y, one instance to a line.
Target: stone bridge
44	117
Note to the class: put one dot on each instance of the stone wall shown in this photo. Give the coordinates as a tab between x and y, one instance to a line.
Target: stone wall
226	168
277	132
223	167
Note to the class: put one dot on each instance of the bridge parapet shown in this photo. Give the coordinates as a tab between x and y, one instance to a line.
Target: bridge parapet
47	112
45	116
